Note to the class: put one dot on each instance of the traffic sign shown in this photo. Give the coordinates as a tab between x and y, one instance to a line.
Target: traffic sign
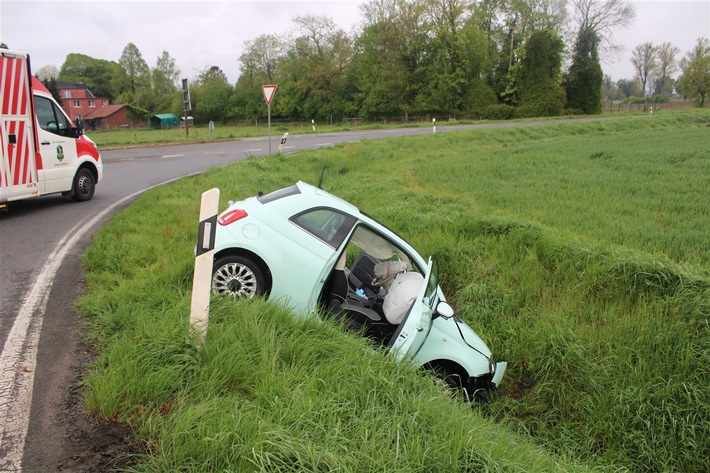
268	91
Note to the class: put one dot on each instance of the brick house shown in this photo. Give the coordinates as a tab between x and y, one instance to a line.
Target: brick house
78	101
110	116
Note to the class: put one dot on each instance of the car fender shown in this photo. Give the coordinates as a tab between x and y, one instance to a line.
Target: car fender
445	343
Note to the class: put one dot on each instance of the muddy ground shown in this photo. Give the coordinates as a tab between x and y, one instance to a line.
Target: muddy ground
62	436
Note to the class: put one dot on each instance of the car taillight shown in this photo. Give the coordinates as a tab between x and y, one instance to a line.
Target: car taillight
231	217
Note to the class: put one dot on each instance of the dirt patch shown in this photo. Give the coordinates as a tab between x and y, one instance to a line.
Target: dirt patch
62	436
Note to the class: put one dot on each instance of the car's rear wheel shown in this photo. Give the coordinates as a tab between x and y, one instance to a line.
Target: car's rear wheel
238	276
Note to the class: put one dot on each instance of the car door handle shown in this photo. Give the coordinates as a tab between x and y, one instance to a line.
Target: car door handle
45	143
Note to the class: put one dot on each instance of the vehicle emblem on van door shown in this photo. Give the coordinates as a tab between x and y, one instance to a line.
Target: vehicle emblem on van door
60	153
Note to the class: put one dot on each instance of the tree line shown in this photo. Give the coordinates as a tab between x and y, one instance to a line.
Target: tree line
457	58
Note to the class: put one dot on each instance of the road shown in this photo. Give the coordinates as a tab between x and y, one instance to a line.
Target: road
41	242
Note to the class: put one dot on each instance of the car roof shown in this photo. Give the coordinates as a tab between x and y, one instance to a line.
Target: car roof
302	196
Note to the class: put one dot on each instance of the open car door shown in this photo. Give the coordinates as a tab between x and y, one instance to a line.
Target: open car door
414	329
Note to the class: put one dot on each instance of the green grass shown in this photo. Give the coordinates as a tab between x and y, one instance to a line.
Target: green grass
578	251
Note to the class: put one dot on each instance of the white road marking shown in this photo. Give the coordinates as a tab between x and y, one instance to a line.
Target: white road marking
18	360
172	155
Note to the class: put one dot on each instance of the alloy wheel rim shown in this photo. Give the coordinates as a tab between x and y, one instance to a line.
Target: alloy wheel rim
236	280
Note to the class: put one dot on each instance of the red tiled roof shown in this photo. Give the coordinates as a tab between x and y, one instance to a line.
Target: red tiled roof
104	112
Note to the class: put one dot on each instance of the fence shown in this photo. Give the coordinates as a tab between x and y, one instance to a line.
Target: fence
647	106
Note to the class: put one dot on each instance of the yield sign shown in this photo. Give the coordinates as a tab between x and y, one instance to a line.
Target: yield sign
268	91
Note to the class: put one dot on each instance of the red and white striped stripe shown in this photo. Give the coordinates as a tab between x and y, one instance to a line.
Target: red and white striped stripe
15	120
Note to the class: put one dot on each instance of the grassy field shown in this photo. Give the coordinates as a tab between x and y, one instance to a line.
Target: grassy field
579	252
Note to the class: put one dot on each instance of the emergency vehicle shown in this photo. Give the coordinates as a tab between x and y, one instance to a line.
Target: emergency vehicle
43	151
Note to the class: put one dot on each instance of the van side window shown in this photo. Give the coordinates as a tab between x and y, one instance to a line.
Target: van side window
50	118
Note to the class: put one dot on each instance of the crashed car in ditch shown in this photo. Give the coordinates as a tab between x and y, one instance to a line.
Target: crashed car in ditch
311	250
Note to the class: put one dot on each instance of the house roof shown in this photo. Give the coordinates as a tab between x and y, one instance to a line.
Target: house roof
62	85
104	112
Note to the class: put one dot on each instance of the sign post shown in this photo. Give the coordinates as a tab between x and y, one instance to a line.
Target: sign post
268	92
186	104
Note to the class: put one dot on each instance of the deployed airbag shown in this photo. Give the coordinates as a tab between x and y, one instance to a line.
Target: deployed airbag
401	295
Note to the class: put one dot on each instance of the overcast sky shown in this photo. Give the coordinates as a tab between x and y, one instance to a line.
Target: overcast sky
199	34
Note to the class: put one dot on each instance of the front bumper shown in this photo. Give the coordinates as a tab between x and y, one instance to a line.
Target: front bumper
480	387
500	371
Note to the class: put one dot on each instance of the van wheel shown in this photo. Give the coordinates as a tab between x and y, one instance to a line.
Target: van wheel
84	185
239	277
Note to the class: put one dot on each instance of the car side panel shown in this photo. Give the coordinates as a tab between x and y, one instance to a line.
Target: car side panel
294	258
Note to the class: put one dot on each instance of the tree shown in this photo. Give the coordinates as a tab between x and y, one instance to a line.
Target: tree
165	75
603	17
629	88
210	95
315	68
666	55
261	57
103	78
643	57
136	69
259	65
695	81
585	79
537	75
390	52
506	24
165	78
48	72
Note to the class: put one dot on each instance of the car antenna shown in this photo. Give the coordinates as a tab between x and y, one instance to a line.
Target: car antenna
320	181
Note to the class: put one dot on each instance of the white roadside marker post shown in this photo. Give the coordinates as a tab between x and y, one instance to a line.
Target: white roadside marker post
433	121
202	277
283	142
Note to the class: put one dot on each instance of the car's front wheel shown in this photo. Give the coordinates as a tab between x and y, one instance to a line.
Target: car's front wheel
238	276
84	185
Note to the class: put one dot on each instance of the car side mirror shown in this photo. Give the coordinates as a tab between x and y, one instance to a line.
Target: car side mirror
445	310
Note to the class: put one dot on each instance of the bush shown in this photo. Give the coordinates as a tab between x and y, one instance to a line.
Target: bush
498	112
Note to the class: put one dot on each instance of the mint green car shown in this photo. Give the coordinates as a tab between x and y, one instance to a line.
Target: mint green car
311	250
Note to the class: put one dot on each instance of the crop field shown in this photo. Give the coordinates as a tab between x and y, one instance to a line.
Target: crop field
579	252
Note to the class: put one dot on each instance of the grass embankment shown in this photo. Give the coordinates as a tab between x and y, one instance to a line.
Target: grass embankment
579	252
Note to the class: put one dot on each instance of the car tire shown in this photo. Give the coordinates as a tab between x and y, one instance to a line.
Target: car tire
84	185
239	277
453	380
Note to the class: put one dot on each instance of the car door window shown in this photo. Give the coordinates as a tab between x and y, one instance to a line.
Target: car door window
328	225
